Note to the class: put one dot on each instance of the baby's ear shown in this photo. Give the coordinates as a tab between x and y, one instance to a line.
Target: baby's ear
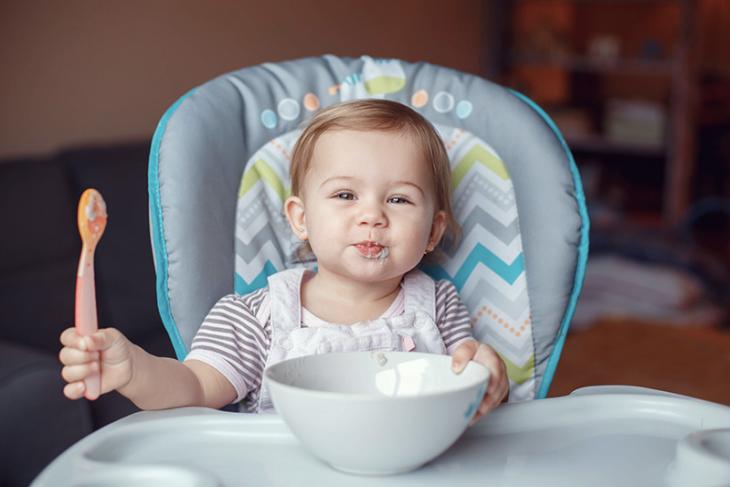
438	227
294	210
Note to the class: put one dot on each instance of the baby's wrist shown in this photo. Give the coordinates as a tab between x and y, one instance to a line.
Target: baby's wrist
460	343
136	354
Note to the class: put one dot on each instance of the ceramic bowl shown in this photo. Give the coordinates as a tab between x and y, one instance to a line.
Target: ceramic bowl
702	459
376	413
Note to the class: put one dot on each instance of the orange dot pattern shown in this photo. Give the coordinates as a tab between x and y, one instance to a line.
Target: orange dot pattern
281	149
516	329
419	98
458	133
311	102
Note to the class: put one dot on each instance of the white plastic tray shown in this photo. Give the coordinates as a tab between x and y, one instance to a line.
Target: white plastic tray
597	437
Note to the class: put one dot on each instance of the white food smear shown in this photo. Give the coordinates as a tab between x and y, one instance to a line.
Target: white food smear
383	254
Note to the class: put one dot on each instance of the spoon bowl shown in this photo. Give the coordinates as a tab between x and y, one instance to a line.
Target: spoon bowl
92	218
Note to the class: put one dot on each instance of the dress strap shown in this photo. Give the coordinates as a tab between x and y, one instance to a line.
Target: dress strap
284	299
419	293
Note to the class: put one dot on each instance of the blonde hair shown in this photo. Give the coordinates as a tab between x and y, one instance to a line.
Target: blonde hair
388	116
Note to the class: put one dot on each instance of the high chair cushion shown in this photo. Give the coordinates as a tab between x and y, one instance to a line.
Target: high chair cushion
219	174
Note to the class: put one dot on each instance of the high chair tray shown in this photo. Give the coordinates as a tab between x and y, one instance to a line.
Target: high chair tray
597	437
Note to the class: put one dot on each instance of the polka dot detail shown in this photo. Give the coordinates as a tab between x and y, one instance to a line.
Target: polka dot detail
281	149
443	102
463	109
514	329
419	98
311	102
288	109
269	119
455	137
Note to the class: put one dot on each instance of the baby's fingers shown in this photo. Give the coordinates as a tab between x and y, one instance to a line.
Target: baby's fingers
486	356
98	341
462	355
101	340
74	356
489	402
74	373
497	391
75	390
71	338
492	399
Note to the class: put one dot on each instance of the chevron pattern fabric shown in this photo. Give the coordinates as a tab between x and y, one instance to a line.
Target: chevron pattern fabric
487	267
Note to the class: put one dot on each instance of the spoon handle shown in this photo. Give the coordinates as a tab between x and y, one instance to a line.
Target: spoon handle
86	321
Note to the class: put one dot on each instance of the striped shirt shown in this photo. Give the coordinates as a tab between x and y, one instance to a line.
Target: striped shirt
234	342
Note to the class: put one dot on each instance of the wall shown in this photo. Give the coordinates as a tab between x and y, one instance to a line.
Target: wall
85	71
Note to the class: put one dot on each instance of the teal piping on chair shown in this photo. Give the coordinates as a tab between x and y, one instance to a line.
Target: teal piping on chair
580	269
159	248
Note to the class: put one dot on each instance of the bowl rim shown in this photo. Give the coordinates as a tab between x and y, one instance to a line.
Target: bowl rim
375	397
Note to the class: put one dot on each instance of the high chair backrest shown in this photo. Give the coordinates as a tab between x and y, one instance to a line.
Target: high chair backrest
219	173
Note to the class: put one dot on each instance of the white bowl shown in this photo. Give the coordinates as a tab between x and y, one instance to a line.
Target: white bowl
702	459
376	413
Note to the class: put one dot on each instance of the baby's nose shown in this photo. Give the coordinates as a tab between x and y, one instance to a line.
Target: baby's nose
373	215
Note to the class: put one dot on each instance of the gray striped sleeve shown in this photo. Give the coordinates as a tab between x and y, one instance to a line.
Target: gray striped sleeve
234	342
452	317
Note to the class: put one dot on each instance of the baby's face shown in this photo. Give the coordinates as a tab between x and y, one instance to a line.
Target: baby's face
368	204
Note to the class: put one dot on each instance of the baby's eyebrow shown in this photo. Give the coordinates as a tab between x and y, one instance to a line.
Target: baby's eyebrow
336	178
409	183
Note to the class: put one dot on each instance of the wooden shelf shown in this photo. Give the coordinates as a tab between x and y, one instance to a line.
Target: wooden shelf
548	37
603	145
629	67
613	2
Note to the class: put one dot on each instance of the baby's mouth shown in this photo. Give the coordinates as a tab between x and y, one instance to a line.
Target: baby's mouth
371	250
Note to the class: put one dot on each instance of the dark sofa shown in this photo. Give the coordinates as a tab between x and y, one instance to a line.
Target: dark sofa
39	252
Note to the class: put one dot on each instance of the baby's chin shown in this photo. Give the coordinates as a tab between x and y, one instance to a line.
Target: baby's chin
352	264
374	270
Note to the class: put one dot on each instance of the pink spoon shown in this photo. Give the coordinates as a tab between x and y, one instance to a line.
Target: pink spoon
92	221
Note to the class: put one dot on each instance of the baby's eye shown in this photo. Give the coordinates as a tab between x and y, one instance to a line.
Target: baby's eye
345	195
398	200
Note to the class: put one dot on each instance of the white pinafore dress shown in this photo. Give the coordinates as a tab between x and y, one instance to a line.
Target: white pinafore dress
414	329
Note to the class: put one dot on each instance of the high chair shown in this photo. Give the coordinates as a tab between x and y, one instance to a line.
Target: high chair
218	175
219	172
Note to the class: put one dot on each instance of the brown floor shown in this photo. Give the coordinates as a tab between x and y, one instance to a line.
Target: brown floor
693	361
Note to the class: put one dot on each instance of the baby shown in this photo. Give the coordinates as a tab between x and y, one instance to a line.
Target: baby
370	197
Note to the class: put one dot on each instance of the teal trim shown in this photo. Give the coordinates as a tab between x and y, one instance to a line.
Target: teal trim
159	248
580	270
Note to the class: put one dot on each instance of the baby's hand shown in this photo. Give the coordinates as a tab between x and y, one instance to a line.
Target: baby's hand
81	356
498	383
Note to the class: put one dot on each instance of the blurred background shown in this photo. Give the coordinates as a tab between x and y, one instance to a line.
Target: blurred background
639	88
641	92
